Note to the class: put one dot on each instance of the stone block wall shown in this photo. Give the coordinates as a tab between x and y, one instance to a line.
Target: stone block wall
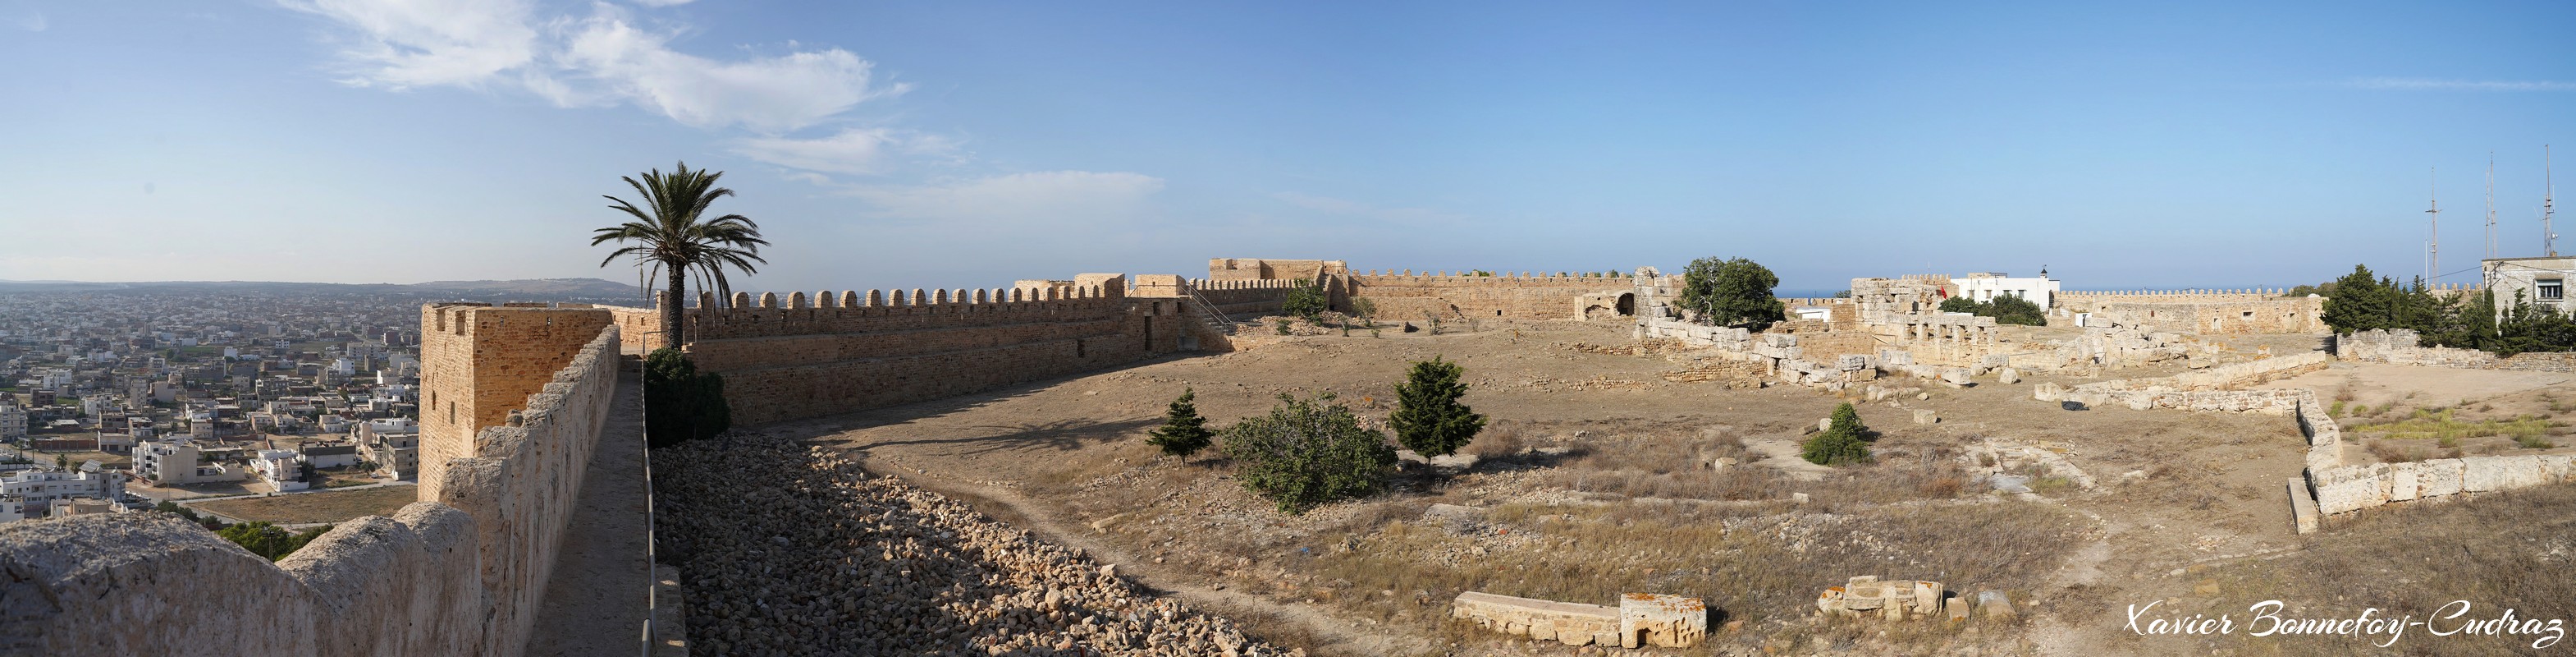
458	574
2295	315
639	330
1408	296
480	362
790	359
2085	301
1243	269
2214	389
1640	620
1241	300
521	480
2401	347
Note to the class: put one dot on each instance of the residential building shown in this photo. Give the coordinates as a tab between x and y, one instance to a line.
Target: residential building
394	444
33	493
282	469
179	461
1985	286
2540	281
13	419
333	454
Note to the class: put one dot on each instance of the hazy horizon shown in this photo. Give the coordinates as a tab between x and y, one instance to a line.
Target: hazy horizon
2208	145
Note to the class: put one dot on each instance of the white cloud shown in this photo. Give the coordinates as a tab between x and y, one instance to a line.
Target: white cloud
601	59
1349	208
400	44
661	3
856	151
769	94
1016	199
2432	84
34	21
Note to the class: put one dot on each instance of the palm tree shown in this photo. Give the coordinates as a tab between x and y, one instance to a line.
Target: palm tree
677	243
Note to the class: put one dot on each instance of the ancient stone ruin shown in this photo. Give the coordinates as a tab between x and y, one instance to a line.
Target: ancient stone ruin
1893	600
1641	619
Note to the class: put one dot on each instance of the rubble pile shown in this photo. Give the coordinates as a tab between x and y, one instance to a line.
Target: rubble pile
787	549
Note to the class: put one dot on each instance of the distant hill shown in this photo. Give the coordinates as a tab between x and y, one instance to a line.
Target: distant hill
529	289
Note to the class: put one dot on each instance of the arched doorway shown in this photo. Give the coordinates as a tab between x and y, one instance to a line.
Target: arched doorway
1627	304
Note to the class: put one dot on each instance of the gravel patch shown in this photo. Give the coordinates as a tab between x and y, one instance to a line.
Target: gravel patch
787	549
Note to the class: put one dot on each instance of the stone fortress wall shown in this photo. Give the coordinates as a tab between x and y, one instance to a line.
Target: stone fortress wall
461	572
2401	347
1449	296
793	358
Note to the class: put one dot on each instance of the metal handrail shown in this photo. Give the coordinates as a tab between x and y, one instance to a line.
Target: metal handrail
1224	323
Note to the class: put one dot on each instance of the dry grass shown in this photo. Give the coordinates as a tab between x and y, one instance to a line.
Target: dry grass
2444	423
1752	562
2507	550
324	506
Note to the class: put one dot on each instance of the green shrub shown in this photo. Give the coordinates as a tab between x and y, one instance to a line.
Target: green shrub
1183	432
268	540
1307	300
1734	292
1308	452
680	403
2005	309
1844	441
1428	418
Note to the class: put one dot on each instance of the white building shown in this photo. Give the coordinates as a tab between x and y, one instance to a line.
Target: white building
2541	281
335	454
34	493
394	444
178	462
13	420
1985	286
282	469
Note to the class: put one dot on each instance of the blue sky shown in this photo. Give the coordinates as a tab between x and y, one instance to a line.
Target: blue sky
960	144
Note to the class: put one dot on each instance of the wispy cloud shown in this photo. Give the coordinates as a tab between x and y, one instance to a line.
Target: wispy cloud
1329	205
2436	84
602	58
30	20
855	151
1015	201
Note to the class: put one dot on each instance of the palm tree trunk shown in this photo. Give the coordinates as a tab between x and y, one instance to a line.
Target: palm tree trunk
671	306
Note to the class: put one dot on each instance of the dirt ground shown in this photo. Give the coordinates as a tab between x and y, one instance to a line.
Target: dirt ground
1595	479
323	506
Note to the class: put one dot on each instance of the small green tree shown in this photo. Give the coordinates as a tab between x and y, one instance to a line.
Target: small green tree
2359	302
1308	452
1183	432
1843	442
1958	305
2010	309
681	403
1734	292
1307	300
1428	416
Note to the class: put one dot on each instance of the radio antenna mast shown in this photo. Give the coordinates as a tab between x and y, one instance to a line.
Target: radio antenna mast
2433	247
2548	205
2491	215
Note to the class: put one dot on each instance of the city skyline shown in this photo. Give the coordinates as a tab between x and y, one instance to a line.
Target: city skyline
900	146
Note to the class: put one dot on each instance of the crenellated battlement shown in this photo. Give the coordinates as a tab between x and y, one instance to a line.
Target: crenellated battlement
789	355
1408	277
